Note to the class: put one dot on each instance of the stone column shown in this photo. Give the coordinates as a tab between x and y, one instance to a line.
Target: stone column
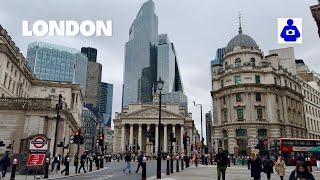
131	135
115	144
148	127
174	134
140	136
122	138
181	138
157	132
165	138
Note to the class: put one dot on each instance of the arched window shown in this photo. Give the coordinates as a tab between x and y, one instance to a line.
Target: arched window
225	64
253	62
237	63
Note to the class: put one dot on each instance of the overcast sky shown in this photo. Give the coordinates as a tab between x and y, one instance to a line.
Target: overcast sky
197	28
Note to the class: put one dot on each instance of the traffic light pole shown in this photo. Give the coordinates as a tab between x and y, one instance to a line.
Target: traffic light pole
58	107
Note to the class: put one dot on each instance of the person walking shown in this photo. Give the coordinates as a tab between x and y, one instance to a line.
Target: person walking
127	159
83	159
255	166
280	167
76	162
222	162
140	161
301	172
268	167
66	162
4	164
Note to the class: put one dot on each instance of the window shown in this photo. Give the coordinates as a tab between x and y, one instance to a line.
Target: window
11	68
224	115
258	97
225	134
275	80
253	62
224	100
262	133
277	99
240	114
238	97
237	80
259	114
237	63
222	83
241	132
285	82
257	79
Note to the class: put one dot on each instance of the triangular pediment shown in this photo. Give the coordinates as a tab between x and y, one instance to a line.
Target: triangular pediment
152	112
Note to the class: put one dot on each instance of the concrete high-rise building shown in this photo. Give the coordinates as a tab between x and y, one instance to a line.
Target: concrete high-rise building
209	131
94	71
140	66
105	108
90	52
315	10
57	63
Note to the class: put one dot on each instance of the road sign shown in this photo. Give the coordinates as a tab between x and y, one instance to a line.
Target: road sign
38	143
35	159
71	139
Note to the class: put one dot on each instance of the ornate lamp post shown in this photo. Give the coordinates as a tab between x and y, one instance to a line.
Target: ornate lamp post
160	84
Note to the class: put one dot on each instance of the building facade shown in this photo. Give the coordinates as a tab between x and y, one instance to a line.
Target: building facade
209	131
106	98
28	105
315	10
89	126
140	66
90	52
131	127
57	63
255	97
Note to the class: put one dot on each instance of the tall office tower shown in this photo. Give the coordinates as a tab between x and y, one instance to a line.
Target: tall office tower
105	108
315	10
57	63
90	52
94	71
209	131
140	64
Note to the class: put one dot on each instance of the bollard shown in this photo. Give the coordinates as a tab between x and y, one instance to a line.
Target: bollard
182	159
177	164
168	165
67	164
46	169
196	160
206	159
90	166
101	162
13	171
144	169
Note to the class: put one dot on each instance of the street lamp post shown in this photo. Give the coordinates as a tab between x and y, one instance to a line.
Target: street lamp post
58	108
159	86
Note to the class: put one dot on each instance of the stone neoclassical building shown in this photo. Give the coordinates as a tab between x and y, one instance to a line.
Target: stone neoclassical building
132	124
28	105
255	96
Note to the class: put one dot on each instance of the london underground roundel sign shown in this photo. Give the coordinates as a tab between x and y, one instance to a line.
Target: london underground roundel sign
39	143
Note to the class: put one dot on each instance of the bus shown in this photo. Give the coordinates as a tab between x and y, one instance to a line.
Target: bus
291	148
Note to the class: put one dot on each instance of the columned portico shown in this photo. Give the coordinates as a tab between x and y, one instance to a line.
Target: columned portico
165	138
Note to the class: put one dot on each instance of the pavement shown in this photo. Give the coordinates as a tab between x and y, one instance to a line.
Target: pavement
233	173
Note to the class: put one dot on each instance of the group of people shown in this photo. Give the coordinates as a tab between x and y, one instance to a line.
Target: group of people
257	166
128	159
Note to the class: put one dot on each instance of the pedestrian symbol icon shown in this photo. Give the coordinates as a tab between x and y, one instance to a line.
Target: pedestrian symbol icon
289	30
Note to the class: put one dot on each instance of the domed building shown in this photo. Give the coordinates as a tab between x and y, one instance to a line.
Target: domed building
256	98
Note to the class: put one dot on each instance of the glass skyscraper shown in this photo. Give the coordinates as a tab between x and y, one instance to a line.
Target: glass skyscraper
105	108
140	67
57	63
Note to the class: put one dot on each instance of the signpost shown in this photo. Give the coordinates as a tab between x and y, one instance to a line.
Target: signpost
36	159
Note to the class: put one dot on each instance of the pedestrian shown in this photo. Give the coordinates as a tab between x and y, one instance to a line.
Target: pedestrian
255	166
59	162
268	167
127	159
4	164
66	162
83	159
301	172
76	162
55	162
140	161
280	167
222	160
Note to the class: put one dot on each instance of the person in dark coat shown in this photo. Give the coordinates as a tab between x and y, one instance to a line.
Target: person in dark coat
256	166
127	159
268	167
83	160
4	164
66	162
76	162
301	172
222	162
140	161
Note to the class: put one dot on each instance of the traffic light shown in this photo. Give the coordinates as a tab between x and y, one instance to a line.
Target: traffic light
101	140
77	136
81	139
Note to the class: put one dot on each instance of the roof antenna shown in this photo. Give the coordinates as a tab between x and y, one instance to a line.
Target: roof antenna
240	28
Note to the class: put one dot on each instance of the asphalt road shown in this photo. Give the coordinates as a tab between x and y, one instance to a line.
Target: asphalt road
113	171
